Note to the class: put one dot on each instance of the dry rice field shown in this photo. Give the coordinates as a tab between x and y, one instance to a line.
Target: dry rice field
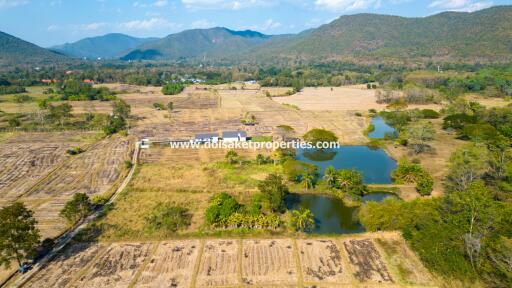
368	260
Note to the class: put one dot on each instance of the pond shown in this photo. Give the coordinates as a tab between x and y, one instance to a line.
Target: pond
381	129
332	216
375	164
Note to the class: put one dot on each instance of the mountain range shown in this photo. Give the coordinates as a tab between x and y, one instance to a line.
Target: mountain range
482	36
110	46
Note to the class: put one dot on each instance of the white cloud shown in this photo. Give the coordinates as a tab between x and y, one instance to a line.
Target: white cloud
157	4
149	24
460	5
93	26
225	4
270	24
12	3
344	5
202	24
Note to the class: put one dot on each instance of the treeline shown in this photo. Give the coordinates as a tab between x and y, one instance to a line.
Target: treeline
466	234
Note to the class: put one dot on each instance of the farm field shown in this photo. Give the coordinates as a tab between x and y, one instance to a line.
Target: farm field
360	261
186	177
351	98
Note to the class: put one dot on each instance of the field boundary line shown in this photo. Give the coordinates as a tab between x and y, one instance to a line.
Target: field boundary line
65	238
240	255
89	265
197	265
346	261
298	263
142	267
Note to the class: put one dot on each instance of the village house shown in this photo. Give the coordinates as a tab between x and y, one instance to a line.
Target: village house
234	136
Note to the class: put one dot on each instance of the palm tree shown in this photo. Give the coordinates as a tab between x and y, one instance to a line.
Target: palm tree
307	181
330	176
303	219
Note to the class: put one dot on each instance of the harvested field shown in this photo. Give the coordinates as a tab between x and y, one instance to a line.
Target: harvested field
64	267
171	265
366	261
407	267
269	262
350	98
93	172
322	262
117	267
219	264
237	262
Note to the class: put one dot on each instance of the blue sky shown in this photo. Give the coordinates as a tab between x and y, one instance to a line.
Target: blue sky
50	22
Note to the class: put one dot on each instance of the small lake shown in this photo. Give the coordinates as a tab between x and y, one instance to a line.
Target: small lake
381	129
375	164
332	216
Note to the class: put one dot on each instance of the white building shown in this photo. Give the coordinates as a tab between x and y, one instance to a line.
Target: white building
234	136
206	138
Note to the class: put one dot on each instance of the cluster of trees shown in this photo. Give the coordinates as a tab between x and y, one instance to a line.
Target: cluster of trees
346	181
262	213
168	217
466	234
174	88
74	90
413	173
117	122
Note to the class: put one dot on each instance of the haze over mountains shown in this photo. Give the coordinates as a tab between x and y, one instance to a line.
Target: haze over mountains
483	36
109	46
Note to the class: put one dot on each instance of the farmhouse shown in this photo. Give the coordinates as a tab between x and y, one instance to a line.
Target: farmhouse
234	136
206	138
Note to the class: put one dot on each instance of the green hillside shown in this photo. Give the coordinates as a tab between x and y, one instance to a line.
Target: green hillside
14	51
484	36
108	46
199	43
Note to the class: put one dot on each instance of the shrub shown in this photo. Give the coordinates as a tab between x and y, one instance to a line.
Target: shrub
77	208
294	169
316	136
173	88
75	151
169	217
128	164
222	206
424	184
430	114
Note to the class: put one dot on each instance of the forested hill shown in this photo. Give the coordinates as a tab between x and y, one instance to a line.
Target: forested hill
199	43
108	46
482	36
14	51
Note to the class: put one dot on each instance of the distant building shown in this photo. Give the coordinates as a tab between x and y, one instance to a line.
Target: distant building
89	81
234	136
206	138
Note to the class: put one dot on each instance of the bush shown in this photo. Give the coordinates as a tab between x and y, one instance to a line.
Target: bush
77	208
316	136
173	88
168	217
75	151
222	206
128	164
458	121
424	184
295	170
430	114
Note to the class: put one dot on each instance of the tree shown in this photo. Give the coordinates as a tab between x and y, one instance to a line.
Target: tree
275	191
418	134
330	176
19	236
121	109
285	131
307	181
473	211
303	219
318	136
60	113
467	165
168	217
232	157
350	181
77	208
173	88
